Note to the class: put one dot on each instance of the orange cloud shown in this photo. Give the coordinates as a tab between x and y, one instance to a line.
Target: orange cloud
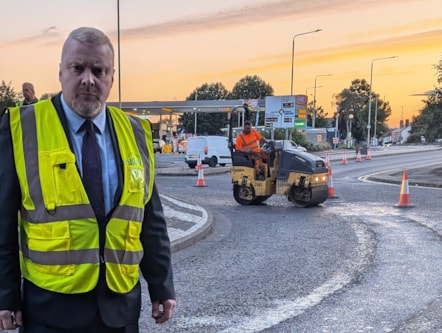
250	14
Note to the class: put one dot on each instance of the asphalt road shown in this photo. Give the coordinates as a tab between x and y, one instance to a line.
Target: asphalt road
353	264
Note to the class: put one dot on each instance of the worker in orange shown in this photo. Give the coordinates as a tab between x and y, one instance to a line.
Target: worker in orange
249	141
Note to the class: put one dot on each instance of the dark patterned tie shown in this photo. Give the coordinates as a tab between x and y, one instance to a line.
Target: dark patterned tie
92	172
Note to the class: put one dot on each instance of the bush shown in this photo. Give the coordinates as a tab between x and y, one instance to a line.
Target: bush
414	138
318	146
300	138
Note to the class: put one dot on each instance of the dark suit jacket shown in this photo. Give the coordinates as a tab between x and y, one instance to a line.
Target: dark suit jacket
69	311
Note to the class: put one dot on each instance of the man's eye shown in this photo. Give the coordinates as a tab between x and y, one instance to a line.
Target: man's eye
99	72
77	69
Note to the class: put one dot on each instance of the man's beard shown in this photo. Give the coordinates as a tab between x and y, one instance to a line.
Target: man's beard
87	109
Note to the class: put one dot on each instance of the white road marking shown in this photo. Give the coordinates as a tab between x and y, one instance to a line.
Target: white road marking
286	309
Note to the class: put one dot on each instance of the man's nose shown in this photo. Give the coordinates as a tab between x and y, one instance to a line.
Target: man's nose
88	78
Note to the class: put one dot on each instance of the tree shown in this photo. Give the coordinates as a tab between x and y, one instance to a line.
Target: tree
384	112
438	68
251	87
351	103
48	95
320	118
207	123
354	101
428	122
8	97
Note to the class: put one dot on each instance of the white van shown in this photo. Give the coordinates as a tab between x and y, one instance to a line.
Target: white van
213	150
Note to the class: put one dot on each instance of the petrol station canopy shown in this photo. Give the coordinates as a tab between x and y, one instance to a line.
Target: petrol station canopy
143	109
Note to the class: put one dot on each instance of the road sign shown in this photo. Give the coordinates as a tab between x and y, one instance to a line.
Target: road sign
280	111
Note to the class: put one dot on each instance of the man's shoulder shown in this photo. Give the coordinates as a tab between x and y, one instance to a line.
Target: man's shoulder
256	132
118	114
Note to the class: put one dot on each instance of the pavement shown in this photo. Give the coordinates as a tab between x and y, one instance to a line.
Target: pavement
188	224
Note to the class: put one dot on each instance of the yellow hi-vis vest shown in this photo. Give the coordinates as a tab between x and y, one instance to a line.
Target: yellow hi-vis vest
21	103
58	228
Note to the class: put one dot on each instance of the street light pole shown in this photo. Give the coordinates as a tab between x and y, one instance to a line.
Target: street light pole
196	98
349	122
314	100
336	127
293	54
370	97
375	120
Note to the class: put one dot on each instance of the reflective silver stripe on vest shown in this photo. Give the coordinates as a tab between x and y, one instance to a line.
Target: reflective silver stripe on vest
72	257
240	136
60	213
140	138
123	257
30	150
128	213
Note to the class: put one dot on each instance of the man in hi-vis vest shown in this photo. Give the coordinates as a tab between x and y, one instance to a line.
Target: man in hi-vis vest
28	94
81	176
248	141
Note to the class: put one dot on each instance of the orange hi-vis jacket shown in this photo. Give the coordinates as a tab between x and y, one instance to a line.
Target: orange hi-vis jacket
248	141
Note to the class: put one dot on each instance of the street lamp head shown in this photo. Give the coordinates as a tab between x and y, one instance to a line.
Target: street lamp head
305	33
323	75
384	58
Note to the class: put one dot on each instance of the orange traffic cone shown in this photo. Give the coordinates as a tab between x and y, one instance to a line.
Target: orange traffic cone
200	181
327	160
358	156
344	158
404	197
368	156
331	189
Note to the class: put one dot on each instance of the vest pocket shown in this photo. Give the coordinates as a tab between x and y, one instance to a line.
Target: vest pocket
50	248
60	180
133	249
123	245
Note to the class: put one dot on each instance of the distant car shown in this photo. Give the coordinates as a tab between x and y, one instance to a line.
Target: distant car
158	145
290	144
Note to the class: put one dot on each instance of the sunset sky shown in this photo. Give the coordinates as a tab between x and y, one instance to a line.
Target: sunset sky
171	47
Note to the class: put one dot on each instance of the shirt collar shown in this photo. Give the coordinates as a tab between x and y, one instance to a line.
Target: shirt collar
75	121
